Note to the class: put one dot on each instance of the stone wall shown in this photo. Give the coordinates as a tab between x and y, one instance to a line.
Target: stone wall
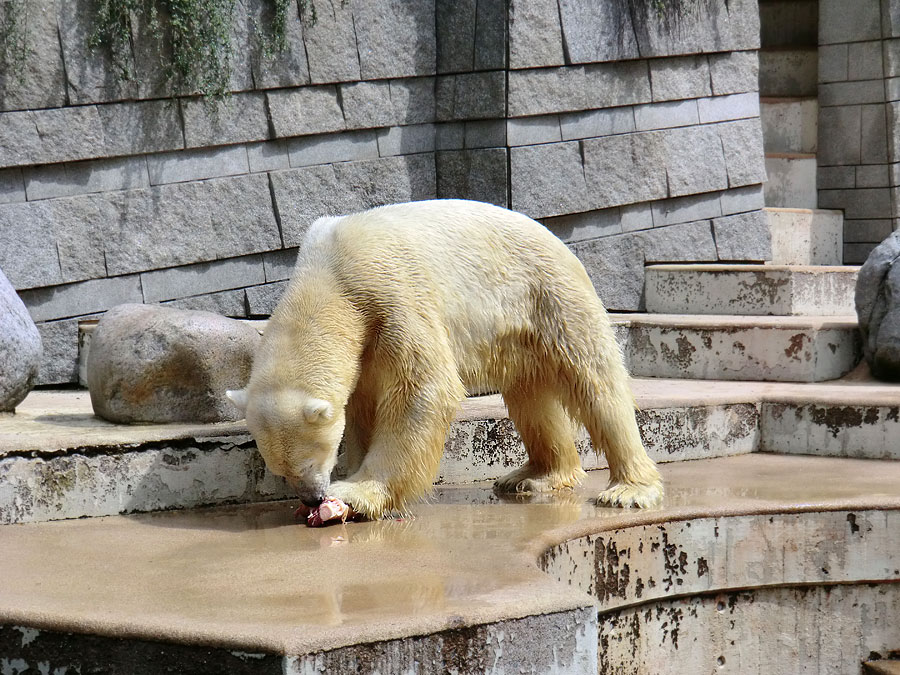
634	136
859	119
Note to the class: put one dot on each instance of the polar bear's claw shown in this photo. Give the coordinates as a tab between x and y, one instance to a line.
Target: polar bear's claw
628	495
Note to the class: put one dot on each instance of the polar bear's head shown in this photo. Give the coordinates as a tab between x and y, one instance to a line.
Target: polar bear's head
297	435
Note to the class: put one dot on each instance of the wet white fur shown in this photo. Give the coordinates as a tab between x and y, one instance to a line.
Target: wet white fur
392	314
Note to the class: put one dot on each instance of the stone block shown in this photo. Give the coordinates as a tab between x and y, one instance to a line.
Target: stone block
60	361
20	348
485	134
279	265
878	309
805	236
305	110
28	253
99	175
874	137
892	88
261	300
678	243
872	176
742	199
587	225
268	156
790	126
715	26
891	57
840	131
83	297
450	136
686	209
533	130
857	254
549	180
742	145
624	169
491	35
226	303
842	22
851	93
471	96
406	140
865	61
145	126
550	90
38	81
597	31
241	118
636	217
413	100
832	177
788	72
199	164
455	24
45	136
91	75
680	77
607	85
867	231
663	115
219	275
744	236
12	186
734	72
272	68
791	181
395	38
367	105
615	266
158	364
593	123
535	34
331	48
473	174
328	148
184	223
731	107
20	143
302	195
867	204
694	161
834	63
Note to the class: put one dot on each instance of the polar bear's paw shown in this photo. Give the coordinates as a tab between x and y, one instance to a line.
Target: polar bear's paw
526	481
629	495
367	498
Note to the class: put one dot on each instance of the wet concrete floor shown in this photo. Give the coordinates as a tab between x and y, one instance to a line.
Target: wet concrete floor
251	578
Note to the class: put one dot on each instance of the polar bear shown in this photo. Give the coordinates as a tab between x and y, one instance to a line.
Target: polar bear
392	314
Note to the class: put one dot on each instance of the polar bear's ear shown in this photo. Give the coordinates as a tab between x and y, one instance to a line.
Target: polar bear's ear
316	411
238	397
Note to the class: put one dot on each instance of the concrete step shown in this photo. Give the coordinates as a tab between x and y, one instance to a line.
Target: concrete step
788	71
782	290
791	181
883	667
468	580
718	347
790	125
806	236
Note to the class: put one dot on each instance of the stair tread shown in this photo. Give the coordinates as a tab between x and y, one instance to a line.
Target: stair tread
725	321
754	267
249	578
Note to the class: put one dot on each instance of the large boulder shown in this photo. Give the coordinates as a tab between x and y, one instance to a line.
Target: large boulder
149	363
20	348
878	309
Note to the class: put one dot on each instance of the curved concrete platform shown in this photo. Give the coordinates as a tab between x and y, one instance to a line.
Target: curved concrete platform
248	580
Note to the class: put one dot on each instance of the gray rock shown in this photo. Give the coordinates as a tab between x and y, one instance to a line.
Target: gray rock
41	81
734	72
694	161
490	35
261	300
471	96
396	38
140	127
156	364
597	31
305	110
744	236
367	105
273	68
60	362
625	169
609	85
28	250
535	34
615	266
12	186
878	309
742	144
331	43
455	30
238	119
680	78
20	348
413	100
473	174
548	90
549	180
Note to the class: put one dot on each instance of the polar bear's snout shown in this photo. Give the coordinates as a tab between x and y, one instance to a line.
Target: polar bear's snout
311	493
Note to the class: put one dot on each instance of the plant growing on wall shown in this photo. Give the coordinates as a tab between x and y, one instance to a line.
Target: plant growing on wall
14	40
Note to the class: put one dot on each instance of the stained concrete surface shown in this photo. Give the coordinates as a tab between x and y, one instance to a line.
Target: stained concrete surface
250	578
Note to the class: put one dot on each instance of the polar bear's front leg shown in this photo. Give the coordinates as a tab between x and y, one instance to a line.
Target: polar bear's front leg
367	497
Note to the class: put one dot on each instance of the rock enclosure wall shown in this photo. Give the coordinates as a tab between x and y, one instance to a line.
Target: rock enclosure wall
634	136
